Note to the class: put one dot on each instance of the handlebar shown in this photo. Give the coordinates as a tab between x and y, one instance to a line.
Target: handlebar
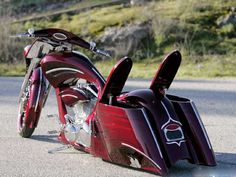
59	36
103	52
98	51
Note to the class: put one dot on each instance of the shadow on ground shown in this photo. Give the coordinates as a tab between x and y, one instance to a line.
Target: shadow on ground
46	138
226	167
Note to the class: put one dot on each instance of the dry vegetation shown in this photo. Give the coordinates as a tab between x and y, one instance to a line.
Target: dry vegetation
191	27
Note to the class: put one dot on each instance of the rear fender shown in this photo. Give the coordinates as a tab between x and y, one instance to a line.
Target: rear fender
129	139
164	122
199	143
176	113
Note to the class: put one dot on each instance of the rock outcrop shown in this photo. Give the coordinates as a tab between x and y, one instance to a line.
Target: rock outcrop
126	40
138	2
228	19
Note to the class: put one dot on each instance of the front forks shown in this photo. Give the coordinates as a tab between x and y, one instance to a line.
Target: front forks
46	94
62	112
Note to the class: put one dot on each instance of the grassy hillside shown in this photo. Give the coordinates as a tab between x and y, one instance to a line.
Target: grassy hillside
191	26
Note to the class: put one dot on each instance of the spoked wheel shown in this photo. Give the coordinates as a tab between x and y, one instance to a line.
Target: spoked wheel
23	130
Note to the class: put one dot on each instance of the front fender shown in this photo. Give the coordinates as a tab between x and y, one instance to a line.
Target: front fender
36	98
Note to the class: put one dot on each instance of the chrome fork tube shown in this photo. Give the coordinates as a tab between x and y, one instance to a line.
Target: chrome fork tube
47	94
32	66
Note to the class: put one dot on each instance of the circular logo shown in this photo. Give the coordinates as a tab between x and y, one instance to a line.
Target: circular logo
59	36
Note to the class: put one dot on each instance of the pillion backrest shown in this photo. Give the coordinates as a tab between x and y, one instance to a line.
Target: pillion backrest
116	80
166	72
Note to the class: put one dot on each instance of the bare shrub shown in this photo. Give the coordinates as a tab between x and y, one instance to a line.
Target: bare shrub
11	49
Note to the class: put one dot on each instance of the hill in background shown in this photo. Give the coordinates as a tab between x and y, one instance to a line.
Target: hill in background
204	31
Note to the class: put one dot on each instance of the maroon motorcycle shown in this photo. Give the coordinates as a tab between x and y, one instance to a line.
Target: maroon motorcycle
144	128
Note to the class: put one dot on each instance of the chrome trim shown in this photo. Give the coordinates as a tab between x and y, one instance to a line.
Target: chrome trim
178	143
91	90
69	95
170	119
177	139
79	90
99	74
201	123
32	66
149	125
129	146
40	87
174	141
63	69
59	36
92	45
46	94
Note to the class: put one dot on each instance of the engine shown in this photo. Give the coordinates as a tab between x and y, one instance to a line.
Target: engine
80	102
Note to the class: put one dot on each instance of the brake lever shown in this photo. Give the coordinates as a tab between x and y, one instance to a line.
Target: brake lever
30	33
98	51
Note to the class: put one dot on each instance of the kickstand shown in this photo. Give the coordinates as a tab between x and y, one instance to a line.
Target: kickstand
62	148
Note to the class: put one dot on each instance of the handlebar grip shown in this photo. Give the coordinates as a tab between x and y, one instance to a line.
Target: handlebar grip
103	52
98	51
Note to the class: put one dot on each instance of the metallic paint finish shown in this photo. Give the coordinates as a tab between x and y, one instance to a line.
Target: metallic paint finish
69	95
75	62
98	74
26	50
124	144
116	123
200	149
166	73
71	38
159	116
63	69
200	122
149	125
124	127
170	119
175	142
116	80
36	99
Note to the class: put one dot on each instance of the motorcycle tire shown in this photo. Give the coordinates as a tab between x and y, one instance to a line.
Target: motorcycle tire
23	130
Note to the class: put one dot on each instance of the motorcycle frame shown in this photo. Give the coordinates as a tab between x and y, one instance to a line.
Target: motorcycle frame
111	144
149	123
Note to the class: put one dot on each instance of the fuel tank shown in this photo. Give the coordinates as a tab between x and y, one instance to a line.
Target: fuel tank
65	68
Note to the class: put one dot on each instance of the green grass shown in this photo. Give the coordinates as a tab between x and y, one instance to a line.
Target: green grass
211	66
55	13
91	23
12	69
191	27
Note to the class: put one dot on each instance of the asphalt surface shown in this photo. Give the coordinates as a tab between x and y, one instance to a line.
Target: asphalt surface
19	157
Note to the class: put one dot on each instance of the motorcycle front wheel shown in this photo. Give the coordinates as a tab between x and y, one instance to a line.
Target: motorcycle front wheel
24	130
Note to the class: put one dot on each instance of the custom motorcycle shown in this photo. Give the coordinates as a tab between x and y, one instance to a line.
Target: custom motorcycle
144	128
